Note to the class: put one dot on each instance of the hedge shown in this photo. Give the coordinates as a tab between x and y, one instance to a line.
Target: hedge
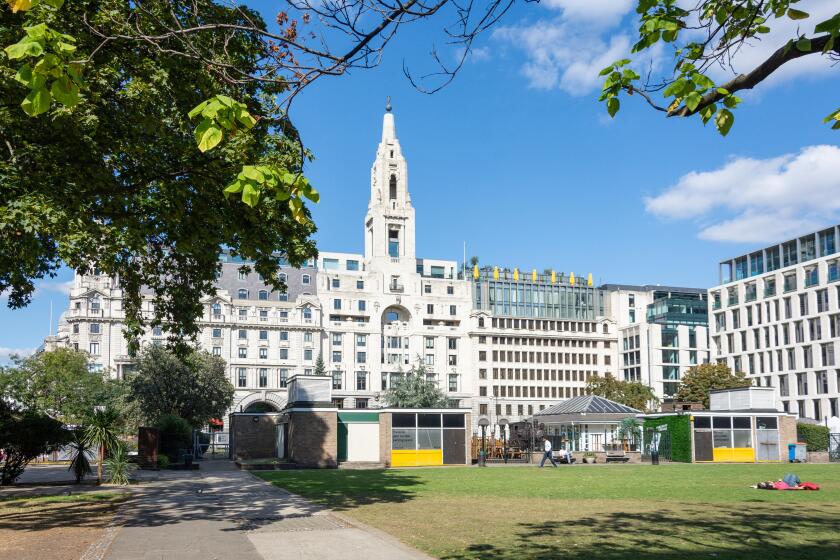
679	428
814	435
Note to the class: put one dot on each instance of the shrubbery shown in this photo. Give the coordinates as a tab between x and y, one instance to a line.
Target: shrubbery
175	436
24	435
814	435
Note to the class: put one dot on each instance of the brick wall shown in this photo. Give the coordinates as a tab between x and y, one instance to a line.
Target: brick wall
313	438
385	438
254	436
787	434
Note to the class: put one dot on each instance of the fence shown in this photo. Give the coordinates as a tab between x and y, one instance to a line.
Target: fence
654	439
500	450
834	448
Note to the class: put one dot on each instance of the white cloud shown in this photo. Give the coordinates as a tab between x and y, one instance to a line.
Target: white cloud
563	55
60	287
601	13
757	200
7	353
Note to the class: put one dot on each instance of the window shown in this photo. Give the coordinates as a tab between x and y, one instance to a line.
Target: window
263	353
217	310
430	359
263	335
453	309
362	305
336	304
284	377
453	382
361	340
282	296
360	284
822	382
284	336
453	360
307	354
427	288
430	308
94	348
336	339
242	293
452	343
94	328
361	357
307	313
284	353
393	243
335	283
241	377
243	275
243	334
263	377
361	381
264	315
336	379
243	352
392	188
632	316
263	295
307	336
828	354
336	356
450	290
217	350
430	340
243	314
802	383
352	265
361	403
217	333
306	279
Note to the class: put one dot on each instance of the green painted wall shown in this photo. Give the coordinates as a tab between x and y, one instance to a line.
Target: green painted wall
358	417
680	429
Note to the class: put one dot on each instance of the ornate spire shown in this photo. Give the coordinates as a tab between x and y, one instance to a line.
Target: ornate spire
388	104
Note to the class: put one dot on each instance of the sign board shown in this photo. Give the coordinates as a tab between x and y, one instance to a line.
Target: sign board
221	438
662	428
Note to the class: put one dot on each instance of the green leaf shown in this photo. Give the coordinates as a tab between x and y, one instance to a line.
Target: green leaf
835	116
250	195
39	31
47	63
197	110
24	47
613	106
252	173
605	71
207	135
724	120
836	126
723	91
692	100
37	102
831	25
797	14
675	88
731	101
65	92
24	75
233	188
313	195
707	112
245	118
804	44
702	80
55	3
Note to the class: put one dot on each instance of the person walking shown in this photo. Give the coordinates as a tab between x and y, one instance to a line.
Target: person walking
547	454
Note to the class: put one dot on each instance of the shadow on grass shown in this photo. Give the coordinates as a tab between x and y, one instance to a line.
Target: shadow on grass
709	531
346	490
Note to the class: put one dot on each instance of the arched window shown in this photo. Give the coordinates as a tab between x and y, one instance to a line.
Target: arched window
392	316
606	329
282	276
305	279
263	294
393	187
242	293
481	321
307	312
282	296
217	309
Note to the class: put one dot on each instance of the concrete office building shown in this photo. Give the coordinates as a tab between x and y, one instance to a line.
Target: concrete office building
776	317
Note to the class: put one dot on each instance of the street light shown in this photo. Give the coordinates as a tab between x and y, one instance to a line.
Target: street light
503	422
482	457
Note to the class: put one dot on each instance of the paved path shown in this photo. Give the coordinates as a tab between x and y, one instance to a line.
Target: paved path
222	513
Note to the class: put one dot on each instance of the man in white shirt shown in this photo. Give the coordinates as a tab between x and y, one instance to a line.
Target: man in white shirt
547	454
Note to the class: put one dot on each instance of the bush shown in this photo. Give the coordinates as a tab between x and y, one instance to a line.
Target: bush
175	436
119	467
24	435
163	462
814	435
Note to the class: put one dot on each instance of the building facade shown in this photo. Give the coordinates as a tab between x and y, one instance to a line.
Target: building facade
662	331
776	317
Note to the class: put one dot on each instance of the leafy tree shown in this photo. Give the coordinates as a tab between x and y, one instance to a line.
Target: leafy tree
175	435
194	386
24	435
414	390
80	463
629	393
59	383
698	380
705	36
101	432
320	368
143	158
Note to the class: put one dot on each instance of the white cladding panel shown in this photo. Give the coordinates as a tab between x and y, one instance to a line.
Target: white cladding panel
363	442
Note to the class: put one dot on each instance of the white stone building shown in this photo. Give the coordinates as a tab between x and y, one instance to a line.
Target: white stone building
776	317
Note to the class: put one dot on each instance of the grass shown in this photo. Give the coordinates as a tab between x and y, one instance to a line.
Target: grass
29	502
611	512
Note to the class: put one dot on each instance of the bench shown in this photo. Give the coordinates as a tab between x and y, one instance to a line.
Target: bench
616	457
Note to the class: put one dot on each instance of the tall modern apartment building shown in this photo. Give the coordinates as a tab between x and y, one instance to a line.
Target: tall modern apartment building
662	331
505	343
776	317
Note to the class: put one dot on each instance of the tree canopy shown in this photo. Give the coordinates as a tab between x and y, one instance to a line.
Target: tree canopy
59	383
706	37
698	380
140	159
414	389
629	393
194	386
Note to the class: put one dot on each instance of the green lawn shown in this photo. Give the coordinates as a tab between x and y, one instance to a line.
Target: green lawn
588	512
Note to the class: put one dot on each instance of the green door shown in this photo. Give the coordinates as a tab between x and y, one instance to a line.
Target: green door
342	441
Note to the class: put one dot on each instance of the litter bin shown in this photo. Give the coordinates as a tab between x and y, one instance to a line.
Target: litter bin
797	452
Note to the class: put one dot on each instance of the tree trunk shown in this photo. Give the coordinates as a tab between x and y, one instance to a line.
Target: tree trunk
99	466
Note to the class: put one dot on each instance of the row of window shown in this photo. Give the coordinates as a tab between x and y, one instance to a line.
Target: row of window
263	314
790	283
532	391
537	341
542	357
508	408
283	277
526	374
771	310
754	364
779	335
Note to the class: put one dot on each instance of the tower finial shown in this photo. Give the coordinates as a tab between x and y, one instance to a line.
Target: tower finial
388	104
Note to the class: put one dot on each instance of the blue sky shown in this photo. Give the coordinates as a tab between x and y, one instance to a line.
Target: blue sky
517	158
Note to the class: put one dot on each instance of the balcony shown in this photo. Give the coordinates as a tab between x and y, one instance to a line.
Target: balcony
396	287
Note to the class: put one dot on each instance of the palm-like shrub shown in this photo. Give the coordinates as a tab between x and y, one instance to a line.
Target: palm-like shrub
82	453
119	467
101	432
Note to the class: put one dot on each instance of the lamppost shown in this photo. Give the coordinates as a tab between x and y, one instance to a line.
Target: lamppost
482	457
503	422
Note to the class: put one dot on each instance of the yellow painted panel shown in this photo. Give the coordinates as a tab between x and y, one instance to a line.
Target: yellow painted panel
733	455
429	457
412	458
